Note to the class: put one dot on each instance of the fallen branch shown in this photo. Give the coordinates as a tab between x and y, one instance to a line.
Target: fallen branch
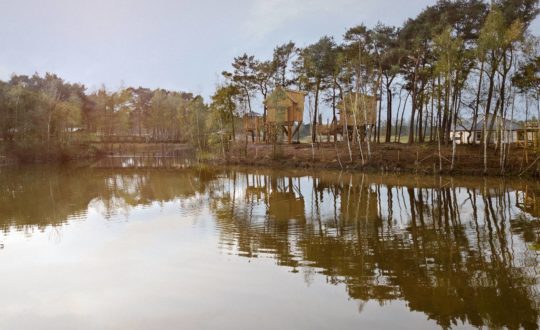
525	170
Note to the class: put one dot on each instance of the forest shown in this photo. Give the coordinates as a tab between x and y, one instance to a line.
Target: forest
456	60
45	117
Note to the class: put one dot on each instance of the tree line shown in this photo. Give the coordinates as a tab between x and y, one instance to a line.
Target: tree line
456	59
47	117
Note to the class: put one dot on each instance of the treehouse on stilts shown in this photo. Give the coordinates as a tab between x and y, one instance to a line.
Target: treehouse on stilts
253	125
357	113
285	113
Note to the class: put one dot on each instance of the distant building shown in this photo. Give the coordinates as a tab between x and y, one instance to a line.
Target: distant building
466	134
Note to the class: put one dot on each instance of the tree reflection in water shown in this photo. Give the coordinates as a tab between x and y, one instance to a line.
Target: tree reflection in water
455	250
458	250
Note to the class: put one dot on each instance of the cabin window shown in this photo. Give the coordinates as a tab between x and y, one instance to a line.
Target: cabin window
520	136
478	136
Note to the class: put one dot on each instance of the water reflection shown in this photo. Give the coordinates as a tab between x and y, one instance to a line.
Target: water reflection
457	250
36	197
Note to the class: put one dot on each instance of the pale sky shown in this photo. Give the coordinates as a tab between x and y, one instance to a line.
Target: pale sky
178	45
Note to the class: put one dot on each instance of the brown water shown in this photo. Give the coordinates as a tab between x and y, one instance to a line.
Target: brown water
99	248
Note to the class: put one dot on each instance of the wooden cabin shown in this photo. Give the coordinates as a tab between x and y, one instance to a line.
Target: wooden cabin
285	112
347	110
347	117
253	124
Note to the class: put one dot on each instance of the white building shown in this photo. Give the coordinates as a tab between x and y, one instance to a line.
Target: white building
466	134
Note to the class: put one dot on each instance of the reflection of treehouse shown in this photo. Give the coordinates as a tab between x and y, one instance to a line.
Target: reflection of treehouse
286	201
253	124
256	188
356	112
255	193
285	114
285	206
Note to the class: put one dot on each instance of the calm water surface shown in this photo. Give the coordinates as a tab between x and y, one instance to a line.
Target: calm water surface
99	248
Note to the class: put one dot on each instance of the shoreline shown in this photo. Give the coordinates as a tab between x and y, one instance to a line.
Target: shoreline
386	158
422	159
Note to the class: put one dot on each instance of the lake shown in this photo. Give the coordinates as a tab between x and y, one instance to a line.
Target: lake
253	248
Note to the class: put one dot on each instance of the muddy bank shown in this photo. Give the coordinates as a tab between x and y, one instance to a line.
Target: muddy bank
385	158
393	158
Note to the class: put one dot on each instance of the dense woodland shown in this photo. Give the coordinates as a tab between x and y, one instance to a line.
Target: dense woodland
46	117
456	59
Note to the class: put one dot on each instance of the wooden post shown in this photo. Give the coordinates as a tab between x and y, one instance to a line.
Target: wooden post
289	133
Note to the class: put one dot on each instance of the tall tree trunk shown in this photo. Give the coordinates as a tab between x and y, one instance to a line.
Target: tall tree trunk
488	101
388	111
432	111
439	108
402	115
414	100
378	129
315	112
421	113
502	91
446	118
477	105
397	116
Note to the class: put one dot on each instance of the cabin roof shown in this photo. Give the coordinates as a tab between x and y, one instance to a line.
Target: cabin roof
297	92
287	92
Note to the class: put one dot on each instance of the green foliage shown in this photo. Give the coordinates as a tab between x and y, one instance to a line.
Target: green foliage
317	62
46	118
527	79
39	114
221	120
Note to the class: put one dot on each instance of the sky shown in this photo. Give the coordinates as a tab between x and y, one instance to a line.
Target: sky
172	44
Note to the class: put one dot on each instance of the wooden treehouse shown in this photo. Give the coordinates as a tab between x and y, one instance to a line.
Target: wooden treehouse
351	115
253	125
285	113
357	111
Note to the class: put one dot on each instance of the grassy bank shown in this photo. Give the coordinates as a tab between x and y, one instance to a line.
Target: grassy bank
393	157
